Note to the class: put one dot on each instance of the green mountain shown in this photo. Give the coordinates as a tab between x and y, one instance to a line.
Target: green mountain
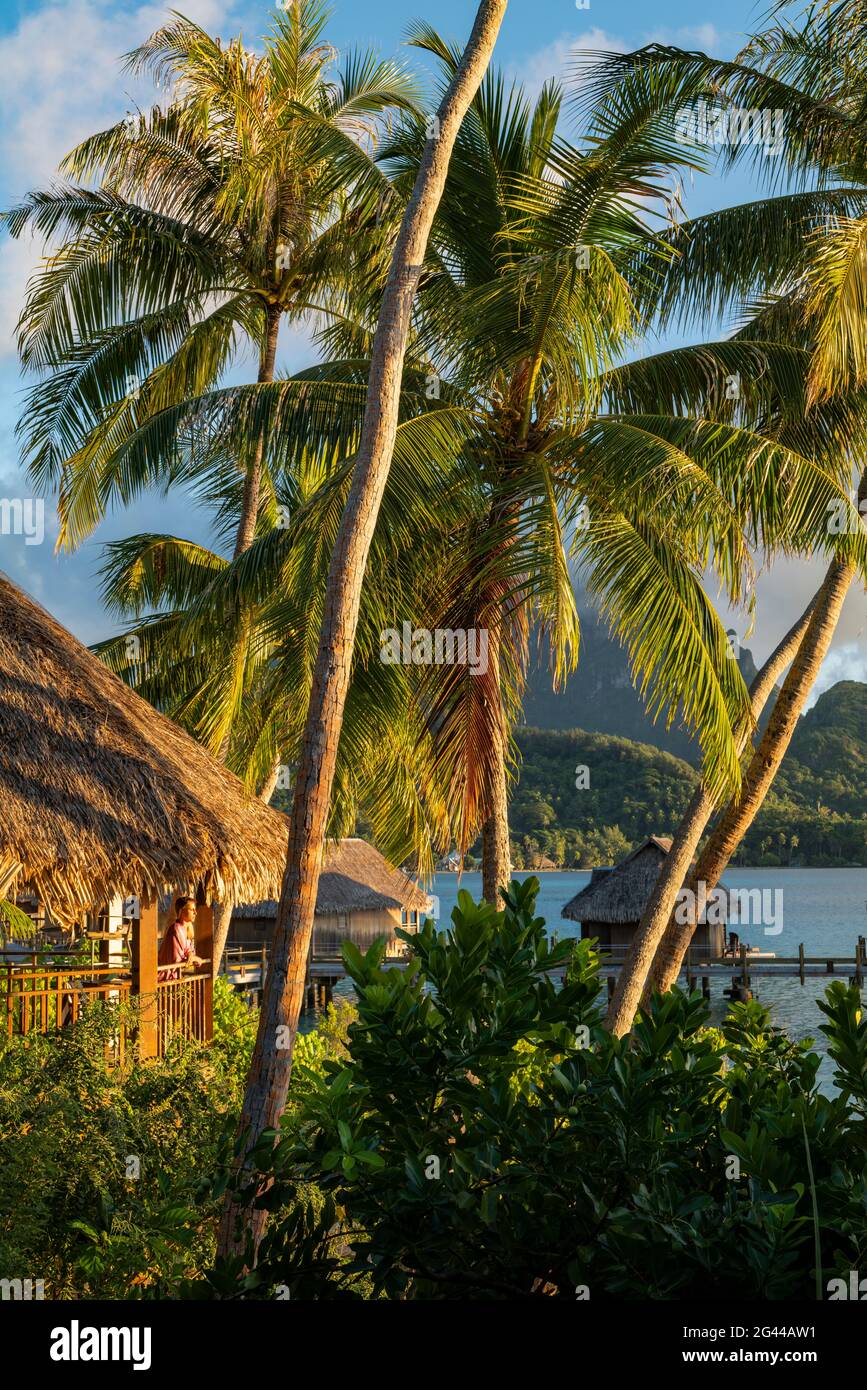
601	698
830	743
585	798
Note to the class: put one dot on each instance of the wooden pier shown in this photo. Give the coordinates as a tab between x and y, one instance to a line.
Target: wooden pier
245	968
743	969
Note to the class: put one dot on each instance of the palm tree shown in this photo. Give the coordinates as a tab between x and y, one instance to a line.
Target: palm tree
244	204
188	604
270	1069
510	329
509	562
801	252
740	813
668	494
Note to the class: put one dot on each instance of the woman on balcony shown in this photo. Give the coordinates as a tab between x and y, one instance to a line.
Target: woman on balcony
178	946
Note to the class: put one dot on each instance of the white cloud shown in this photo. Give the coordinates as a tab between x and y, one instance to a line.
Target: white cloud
17	260
557	59
62	80
846	663
783	591
62	77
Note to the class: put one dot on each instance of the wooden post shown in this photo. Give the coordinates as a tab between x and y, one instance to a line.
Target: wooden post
705	986
205	949
144	976
801	970
104	942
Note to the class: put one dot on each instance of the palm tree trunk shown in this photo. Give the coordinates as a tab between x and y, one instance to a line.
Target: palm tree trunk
739	815
243	540
637	975
253	481
246	532
223	911
267	789
496	853
271	1067
667	941
222	921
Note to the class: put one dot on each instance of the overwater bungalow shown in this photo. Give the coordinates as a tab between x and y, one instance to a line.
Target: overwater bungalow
611	904
361	896
103	799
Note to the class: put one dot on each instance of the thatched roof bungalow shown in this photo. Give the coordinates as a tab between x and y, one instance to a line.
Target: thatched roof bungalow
100	795
360	897
101	798
610	906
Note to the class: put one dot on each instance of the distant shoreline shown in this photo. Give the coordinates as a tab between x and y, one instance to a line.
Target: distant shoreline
769	868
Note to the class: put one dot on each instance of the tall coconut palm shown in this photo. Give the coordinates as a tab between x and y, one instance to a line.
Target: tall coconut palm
668	493
655	508
188	603
738	816
510	325
239	206
803	255
832	431
271	1065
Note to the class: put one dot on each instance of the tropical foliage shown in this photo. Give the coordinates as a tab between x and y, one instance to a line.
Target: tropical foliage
184	237
518	427
106	1180
488	1139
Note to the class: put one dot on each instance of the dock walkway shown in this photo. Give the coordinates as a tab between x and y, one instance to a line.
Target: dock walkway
245	968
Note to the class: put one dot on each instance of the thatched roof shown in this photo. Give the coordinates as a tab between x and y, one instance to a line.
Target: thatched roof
355	878
102	796
619	895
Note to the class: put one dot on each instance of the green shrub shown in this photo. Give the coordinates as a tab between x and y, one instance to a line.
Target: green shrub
472	1145
106	1183
101	1185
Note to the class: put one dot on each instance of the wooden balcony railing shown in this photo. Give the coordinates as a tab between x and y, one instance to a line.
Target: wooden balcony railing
183	1008
45	998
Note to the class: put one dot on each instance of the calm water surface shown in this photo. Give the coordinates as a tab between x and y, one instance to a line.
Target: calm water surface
824	908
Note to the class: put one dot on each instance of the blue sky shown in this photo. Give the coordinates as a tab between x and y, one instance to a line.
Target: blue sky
61	79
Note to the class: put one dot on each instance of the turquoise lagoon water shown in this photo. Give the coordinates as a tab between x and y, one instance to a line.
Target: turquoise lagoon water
826	909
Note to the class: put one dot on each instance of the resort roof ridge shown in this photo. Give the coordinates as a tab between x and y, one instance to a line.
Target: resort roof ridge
355	878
